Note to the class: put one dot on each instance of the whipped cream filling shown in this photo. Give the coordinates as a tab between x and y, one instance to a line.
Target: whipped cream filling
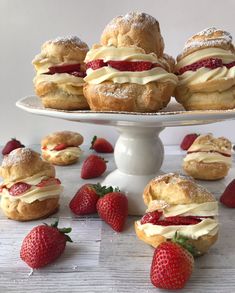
205	74
226	56
59	78
205	227
206	157
139	77
32	180
34	193
69	152
112	53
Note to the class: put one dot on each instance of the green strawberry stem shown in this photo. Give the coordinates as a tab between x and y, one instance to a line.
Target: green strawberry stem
62	230
102	190
184	242
92	142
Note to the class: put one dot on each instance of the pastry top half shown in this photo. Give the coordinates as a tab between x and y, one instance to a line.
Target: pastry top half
27	177
130	51
177	204
69	138
209	149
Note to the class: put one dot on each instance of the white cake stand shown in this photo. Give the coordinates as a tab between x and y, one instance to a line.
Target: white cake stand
139	152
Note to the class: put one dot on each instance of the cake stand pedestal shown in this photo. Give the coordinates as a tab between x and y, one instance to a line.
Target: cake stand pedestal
138	152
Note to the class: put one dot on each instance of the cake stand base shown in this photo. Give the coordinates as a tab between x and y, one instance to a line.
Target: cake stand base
138	156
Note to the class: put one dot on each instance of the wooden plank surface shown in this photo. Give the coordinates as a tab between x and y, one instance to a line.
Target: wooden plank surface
101	260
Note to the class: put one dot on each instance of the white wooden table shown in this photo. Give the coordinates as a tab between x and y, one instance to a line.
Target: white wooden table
101	260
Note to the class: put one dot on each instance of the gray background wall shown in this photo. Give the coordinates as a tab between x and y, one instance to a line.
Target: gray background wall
26	24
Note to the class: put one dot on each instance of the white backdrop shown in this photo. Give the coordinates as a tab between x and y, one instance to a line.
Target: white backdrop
26	24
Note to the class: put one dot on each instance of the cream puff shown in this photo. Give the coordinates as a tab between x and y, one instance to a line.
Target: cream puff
208	158
206	71
60	71
62	148
30	190
128	70
177	204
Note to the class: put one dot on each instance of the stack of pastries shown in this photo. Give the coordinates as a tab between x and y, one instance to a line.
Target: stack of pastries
30	190
177	204
208	158
60	71
128	70
206	71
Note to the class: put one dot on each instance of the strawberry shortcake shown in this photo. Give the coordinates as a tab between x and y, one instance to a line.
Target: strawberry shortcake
128	70
62	148
208	158
177	204
30	190
60	70
206	71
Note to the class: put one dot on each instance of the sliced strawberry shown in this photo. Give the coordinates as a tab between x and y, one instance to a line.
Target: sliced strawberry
96	64
130	65
78	74
188	141
19	188
230	65
49	181
178	220
65	68
60	147
210	63
152	217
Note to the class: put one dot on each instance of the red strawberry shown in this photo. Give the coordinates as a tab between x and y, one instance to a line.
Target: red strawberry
84	201
228	196
11	145
19	188
211	63
65	68
172	266
188	141
101	145
96	64
131	65
151	217
48	182
93	167
78	74
113	209
230	65
178	220
43	245
60	147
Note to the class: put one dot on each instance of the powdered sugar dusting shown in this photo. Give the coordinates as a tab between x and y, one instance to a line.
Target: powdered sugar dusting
17	157
71	39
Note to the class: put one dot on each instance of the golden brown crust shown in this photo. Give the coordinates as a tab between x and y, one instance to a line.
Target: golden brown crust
175	189
211	95
139	29
22	211
22	163
202	244
208	38
109	96
70	138
206	171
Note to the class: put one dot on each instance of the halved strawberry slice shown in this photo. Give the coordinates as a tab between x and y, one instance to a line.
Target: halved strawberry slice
19	188
78	74
49	181
65	68
152	217
96	64
131	65
230	65
178	220
211	63
60	147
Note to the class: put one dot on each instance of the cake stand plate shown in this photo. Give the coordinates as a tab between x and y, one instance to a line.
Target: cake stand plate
138	152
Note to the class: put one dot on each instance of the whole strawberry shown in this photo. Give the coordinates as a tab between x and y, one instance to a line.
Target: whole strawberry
11	145
172	266
188	141
84	201
113	209
228	196
93	167
43	245
101	145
